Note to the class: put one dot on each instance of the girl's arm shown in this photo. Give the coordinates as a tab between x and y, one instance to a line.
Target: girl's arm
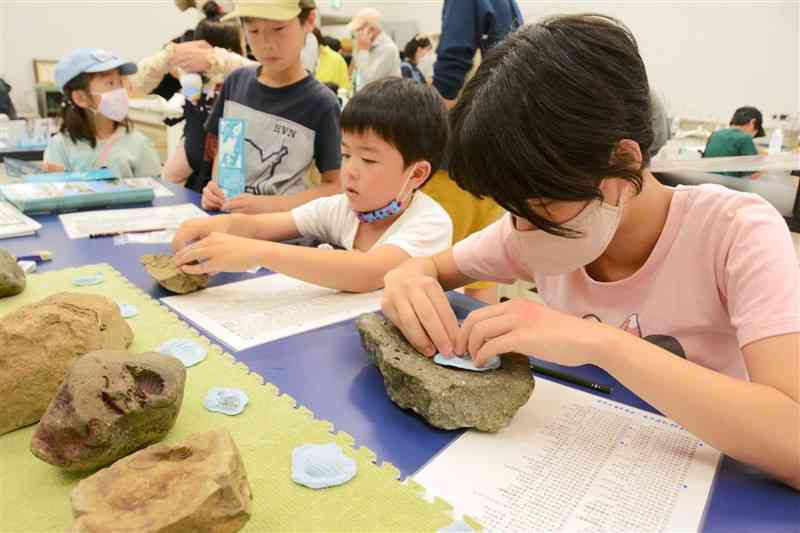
757	422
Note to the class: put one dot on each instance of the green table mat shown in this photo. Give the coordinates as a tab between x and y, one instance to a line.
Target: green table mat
34	496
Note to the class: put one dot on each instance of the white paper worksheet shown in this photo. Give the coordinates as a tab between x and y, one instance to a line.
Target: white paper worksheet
573	461
248	313
158	188
84	223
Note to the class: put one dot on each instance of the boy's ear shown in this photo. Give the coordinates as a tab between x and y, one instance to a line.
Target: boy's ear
422	172
81	99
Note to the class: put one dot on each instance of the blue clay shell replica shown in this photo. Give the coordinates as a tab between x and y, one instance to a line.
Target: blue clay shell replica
128	310
459	526
465	363
319	466
226	401
188	351
93	279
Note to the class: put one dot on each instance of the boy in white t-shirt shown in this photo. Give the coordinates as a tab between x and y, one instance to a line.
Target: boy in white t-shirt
394	134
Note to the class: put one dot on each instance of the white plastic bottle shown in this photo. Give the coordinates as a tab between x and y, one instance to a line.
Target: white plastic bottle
776	141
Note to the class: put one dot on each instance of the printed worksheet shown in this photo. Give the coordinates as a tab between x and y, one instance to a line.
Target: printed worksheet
82	224
573	461
248	313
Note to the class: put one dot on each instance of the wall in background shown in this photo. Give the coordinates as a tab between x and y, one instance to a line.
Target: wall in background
705	58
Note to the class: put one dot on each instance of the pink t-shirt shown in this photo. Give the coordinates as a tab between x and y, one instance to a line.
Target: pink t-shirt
724	273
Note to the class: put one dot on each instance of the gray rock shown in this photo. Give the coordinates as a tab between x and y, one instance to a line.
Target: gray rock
198	485
12	278
38	342
447	398
110	404
162	268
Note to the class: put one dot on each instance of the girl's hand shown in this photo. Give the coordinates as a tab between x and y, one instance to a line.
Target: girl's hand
416	303
526	327
220	252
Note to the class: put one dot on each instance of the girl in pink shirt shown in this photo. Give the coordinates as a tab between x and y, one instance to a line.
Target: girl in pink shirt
690	297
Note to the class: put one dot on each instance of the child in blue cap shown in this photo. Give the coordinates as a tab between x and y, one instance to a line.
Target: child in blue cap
95	131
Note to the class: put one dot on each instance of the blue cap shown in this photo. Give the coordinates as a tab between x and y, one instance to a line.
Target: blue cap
90	60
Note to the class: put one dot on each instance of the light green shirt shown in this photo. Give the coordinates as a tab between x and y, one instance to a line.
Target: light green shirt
131	156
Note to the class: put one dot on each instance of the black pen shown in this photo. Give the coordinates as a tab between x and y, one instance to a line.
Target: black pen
569	378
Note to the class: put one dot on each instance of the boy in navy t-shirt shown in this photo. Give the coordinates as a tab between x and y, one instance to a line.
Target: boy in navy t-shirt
291	119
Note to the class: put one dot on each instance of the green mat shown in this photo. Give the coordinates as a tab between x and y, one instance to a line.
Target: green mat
34	496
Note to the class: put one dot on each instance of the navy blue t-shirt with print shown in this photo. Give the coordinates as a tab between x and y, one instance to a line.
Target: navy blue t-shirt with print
285	129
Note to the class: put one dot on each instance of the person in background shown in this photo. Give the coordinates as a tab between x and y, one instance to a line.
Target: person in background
416	51
167	85
468	27
331	68
6	105
187	165
375	55
736	140
292	120
95	132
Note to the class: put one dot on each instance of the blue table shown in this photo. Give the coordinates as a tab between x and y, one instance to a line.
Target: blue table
328	371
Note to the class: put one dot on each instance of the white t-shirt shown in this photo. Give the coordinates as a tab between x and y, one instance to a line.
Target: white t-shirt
423	229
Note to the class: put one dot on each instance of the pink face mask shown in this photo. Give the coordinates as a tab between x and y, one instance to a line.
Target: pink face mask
544	253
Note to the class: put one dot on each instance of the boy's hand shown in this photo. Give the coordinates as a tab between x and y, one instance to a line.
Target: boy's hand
251	204
416	303
200	228
213	197
220	252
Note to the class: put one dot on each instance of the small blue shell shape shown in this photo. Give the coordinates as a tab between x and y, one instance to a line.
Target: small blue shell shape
465	363
319	466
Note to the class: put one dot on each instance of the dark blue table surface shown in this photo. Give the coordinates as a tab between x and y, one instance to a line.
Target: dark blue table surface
328	371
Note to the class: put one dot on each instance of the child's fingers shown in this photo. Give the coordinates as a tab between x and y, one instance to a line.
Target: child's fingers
428	319
409	324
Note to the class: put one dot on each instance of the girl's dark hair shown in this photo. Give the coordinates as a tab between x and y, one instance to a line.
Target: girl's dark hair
76	121
212	10
410	51
408	115
220	34
543	115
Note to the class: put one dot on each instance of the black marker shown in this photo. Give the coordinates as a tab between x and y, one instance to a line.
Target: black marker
569	378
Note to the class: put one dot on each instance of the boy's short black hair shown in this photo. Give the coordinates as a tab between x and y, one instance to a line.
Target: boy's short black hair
543	115
408	115
744	115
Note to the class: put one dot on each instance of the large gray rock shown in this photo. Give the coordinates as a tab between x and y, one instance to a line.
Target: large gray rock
162	268
39	341
197	485
111	403
447	398
12	277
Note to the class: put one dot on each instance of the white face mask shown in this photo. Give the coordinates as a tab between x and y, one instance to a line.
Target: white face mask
425	65
113	104
543	253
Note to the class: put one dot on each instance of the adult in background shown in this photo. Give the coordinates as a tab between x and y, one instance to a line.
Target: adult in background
375	56
468	27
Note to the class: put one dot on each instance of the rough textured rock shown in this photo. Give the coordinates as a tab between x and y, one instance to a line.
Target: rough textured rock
12	277
162	268
198	485
447	398
110	404
37	343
